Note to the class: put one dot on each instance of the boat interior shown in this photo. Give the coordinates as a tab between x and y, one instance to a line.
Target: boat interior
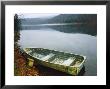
55	57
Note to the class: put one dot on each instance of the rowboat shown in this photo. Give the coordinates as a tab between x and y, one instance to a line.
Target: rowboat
62	61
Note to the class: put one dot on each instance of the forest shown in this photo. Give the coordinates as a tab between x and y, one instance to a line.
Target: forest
62	18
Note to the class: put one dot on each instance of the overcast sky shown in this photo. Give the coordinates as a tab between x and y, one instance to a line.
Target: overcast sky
36	15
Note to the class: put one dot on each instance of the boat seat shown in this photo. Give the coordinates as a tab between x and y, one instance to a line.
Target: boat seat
69	61
47	57
57	61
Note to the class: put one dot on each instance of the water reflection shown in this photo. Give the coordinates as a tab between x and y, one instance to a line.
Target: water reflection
80	28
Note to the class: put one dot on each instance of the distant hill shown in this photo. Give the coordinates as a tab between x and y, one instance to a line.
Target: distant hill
88	23
32	21
63	18
74	18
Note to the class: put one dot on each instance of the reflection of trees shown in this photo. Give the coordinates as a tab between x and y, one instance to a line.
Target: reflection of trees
90	29
84	29
16	30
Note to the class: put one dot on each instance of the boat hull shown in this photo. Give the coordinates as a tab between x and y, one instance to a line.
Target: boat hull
70	69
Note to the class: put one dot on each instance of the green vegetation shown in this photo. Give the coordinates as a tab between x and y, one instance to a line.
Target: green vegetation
16	38
63	18
16	30
74	23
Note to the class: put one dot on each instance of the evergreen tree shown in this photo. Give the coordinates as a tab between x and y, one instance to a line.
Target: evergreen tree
16	30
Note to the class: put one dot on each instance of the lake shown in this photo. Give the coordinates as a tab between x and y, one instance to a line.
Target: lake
77	39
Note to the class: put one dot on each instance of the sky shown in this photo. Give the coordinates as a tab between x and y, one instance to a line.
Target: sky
26	15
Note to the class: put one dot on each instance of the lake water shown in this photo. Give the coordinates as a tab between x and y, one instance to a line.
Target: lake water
80	40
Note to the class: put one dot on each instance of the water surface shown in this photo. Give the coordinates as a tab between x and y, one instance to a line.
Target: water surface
77	39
